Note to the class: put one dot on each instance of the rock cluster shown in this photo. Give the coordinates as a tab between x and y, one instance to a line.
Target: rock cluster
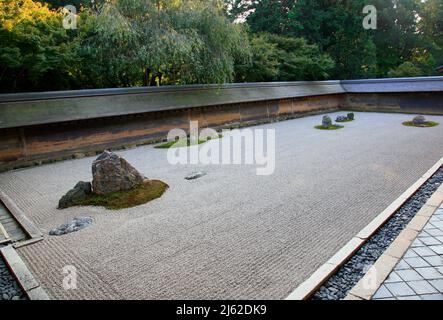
74	225
348	117
78	193
341	119
112	173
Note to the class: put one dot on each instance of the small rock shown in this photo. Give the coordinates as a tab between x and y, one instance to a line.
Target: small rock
195	175
112	173
341	119
5	296
326	122
78	193
74	225
351	116
419	120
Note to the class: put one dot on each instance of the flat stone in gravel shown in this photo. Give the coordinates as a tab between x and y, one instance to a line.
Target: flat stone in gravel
74	225
195	175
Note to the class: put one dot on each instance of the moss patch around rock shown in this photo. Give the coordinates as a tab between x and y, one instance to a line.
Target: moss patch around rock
331	127
148	191
181	143
348	120
427	124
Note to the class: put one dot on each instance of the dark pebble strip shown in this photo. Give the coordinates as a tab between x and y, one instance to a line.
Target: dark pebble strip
339	285
9	288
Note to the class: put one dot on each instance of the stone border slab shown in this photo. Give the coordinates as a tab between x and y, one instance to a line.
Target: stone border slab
5	234
21	272
377	274
321	275
29	227
5	241
25	243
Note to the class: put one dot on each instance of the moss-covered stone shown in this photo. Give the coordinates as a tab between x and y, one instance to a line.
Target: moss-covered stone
75	195
181	143
326	122
331	127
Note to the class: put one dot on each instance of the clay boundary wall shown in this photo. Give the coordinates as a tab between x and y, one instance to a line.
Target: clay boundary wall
43	127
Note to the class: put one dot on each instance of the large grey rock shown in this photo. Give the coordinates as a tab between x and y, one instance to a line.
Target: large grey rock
326	122
74	225
112	173
419	120
78	193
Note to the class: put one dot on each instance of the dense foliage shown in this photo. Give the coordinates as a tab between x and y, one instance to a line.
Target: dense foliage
120	43
36	53
282	58
131	43
407	41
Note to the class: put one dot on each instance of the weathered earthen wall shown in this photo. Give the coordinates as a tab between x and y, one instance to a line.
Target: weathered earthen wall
50	142
50	126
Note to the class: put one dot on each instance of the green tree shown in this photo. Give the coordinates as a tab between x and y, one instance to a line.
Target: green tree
281	58
406	69
406	41
431	28
264	63
431	23
316	21
133	42
269	15
336	27
77	3
236	9
36	53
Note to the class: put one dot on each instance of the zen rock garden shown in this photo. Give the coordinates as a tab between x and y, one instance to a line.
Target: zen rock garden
149	249
116	184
